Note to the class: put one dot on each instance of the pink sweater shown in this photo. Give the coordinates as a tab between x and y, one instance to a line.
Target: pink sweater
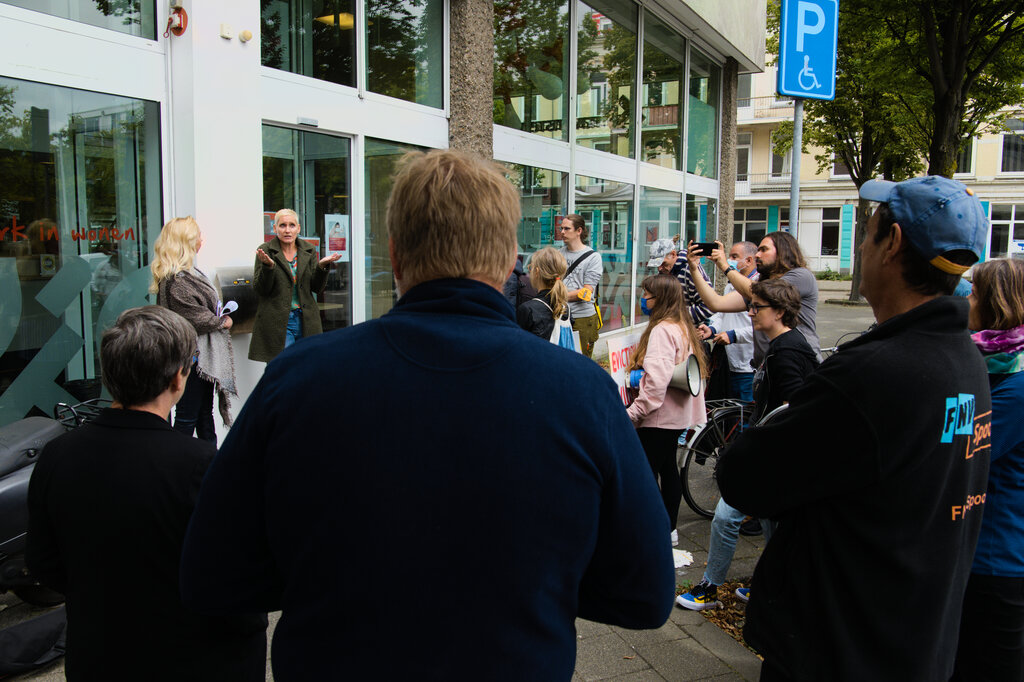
659	406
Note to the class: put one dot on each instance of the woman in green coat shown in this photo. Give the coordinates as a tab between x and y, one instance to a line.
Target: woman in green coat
286	276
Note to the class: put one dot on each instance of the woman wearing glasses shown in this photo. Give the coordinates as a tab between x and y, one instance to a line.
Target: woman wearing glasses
184	289
773	310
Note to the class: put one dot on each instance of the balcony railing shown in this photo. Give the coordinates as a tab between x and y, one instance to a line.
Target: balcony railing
762	183
754	108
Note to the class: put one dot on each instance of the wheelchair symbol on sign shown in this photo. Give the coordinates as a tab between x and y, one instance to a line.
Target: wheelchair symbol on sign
807	72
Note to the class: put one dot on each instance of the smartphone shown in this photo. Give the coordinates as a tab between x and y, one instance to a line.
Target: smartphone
706	247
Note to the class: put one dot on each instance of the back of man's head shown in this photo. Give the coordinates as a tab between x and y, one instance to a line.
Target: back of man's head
143	351
942	222
452	215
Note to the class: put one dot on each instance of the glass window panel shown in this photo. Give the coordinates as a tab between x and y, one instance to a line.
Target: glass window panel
757	214
607	207
80	204
1002	211
743	89
660	218
755	232
701	219
134	17
310	173
839	168
531	66
405	50
542	201
606	54
737	214
314	38
1000	240
830	213
702	124
661	136
963	159
381	159
1013	148
830	231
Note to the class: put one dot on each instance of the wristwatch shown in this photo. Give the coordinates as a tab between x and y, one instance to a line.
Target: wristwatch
729	269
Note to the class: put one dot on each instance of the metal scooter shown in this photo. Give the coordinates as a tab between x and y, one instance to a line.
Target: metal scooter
20	445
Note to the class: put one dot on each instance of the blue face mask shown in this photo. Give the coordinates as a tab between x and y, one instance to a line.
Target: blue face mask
643	306
733	263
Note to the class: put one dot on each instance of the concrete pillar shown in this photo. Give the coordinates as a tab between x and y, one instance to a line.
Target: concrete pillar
727	165
470	127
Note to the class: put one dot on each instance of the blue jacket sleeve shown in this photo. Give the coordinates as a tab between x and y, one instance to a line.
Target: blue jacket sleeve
226	563
630	581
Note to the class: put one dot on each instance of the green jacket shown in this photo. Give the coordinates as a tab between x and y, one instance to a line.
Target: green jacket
273	286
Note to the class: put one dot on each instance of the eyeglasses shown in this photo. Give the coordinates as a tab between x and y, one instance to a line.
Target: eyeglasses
754	308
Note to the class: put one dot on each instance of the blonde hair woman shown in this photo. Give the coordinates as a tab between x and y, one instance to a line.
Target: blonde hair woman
184	289
538	315
660	413
287	275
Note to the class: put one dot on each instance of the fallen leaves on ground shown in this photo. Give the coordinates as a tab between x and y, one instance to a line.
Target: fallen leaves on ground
733	615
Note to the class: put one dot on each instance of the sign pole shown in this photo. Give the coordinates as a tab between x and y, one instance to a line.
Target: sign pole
794	180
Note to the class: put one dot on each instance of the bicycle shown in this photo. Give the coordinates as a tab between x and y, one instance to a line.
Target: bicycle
698	456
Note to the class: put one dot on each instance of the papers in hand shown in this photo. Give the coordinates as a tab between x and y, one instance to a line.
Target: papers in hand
225	308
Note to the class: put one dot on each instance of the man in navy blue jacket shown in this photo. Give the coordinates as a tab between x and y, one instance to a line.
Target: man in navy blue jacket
369	481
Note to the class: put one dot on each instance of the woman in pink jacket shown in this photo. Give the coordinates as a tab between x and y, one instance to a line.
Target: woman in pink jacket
660	413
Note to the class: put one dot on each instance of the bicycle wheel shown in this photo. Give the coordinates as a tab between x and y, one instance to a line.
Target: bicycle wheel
700	458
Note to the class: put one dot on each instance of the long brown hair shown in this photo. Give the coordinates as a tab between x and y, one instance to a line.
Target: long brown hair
668	307
788	255
999	293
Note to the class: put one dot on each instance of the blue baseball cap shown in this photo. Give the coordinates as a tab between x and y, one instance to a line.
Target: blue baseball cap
938	215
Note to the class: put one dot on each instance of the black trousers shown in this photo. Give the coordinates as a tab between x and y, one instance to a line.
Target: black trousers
991	631
194	412
660	447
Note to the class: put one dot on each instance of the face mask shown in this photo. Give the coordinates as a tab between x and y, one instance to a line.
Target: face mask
643	307
733	263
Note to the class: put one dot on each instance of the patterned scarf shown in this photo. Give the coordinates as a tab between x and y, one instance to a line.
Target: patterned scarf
1003	349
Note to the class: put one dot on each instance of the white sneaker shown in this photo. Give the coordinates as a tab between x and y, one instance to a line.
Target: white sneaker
675	537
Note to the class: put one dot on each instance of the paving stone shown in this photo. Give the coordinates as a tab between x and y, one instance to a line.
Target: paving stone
606	657
666	633
681	616
682	659
643	676
738	657
588	628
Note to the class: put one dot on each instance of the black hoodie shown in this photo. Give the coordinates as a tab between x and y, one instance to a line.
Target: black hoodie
787	362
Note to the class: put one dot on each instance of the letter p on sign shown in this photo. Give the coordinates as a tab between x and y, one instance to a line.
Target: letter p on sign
803	28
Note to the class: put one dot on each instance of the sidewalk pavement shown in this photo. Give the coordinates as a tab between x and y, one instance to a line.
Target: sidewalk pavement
688	647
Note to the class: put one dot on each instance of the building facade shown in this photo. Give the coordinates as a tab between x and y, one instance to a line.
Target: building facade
117	116
992	165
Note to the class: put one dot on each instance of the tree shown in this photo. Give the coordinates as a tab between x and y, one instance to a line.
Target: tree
967	53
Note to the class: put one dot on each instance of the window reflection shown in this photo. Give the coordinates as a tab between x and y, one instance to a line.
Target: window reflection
381	159
660	218
702	122
134	17
542	201
662	133
531	66
607	207
606	54
79	204
701	219
405	50
313	38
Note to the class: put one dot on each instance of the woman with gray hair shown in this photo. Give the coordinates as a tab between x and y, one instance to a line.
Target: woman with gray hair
183	288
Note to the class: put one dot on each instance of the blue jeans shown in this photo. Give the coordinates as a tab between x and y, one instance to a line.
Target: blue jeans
741	385
293	332
725	530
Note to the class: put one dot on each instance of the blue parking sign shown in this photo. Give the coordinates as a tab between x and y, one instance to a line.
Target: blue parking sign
807	48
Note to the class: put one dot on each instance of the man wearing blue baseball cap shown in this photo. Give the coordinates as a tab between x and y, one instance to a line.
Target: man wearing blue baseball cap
877	470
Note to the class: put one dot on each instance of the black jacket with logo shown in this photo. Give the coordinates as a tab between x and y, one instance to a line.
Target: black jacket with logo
877	473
